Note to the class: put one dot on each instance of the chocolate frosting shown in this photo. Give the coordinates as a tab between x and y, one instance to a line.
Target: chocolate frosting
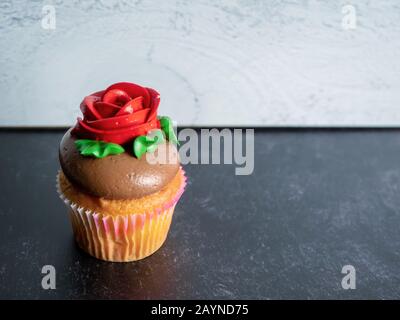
121	176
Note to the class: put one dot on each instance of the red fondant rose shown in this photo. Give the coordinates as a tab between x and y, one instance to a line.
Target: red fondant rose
118	114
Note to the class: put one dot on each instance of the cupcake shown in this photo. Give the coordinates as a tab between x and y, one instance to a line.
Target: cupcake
120	175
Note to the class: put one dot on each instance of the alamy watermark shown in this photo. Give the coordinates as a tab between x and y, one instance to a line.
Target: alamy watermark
349	19
49	279
211	146
349	280
48	21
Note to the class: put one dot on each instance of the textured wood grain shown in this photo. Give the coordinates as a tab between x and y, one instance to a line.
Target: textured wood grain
214	62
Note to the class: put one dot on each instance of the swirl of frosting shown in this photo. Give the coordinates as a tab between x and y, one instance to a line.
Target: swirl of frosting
118	114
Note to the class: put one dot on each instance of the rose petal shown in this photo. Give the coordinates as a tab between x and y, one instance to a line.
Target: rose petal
116	96
155	102
131	106
110	122
88	109
98	93
133	90
119	122
105	109
120	136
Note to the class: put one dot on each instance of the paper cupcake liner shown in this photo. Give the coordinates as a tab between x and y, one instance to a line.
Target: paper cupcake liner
121	238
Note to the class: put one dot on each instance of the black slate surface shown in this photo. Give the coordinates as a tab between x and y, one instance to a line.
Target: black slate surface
317	200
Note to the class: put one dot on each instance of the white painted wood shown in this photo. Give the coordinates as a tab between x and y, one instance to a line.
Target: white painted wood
239	62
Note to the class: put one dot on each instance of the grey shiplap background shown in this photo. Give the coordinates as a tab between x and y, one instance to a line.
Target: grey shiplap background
236	62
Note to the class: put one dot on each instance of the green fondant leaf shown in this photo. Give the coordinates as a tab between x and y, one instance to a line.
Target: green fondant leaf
98	149
148	143
139	146
168	127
